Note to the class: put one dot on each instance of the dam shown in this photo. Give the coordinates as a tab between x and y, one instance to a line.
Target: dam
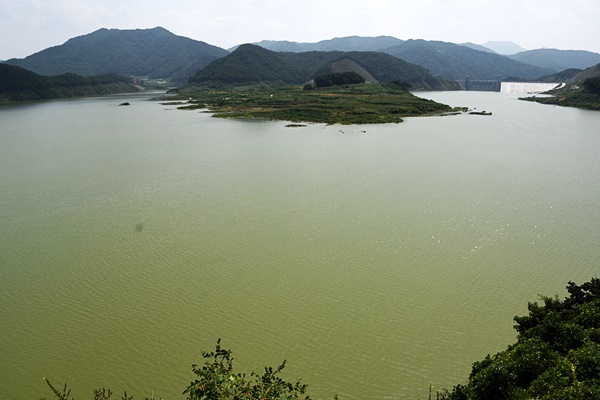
528	87
483	85
496	85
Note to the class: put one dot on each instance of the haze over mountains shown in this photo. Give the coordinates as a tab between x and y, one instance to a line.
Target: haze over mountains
159	54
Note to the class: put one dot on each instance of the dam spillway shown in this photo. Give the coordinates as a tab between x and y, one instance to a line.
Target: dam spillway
527	87
496	85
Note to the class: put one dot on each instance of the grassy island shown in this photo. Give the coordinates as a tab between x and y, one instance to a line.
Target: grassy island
369	103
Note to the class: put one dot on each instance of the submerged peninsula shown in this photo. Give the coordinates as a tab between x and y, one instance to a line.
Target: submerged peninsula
363	103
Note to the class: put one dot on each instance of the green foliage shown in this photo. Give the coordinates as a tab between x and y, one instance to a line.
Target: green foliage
556	357
557	354
372	103
339	78
217	381
580	99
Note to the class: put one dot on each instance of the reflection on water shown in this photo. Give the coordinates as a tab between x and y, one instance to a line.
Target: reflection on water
376	261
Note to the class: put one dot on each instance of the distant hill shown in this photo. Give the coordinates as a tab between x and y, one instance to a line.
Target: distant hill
449	60
349	43
250	64
19	84
156	53
478	47
558	60
504	48
453	61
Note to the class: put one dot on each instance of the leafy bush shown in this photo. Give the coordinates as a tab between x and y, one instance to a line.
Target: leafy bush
557	354
216	380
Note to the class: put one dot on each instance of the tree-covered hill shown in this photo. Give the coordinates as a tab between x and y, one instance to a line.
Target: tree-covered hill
251	64
19	84
348	43
558	60
156	53
453	61
562	76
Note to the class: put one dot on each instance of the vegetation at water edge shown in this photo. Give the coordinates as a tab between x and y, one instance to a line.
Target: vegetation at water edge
587	97
582	90
556	357
372	103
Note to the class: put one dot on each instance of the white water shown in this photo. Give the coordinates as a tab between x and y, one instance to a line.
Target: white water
527	87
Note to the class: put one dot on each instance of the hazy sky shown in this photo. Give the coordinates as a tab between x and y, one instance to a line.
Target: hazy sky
28	26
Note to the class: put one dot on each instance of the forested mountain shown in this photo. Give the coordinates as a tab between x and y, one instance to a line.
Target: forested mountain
453	61
558	60
349	43
449	60
156	53
19	84
251	63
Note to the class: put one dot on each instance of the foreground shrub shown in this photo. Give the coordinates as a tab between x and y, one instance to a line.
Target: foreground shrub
557	354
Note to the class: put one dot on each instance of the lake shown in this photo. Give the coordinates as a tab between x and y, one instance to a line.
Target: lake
375	259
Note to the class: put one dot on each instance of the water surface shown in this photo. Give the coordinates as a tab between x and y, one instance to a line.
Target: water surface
375	259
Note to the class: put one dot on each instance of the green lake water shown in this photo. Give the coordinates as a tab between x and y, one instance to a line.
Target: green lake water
376	259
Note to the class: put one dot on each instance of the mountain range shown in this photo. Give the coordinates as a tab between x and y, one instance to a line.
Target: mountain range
156	53
159	54
558	60
250	63
455	61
